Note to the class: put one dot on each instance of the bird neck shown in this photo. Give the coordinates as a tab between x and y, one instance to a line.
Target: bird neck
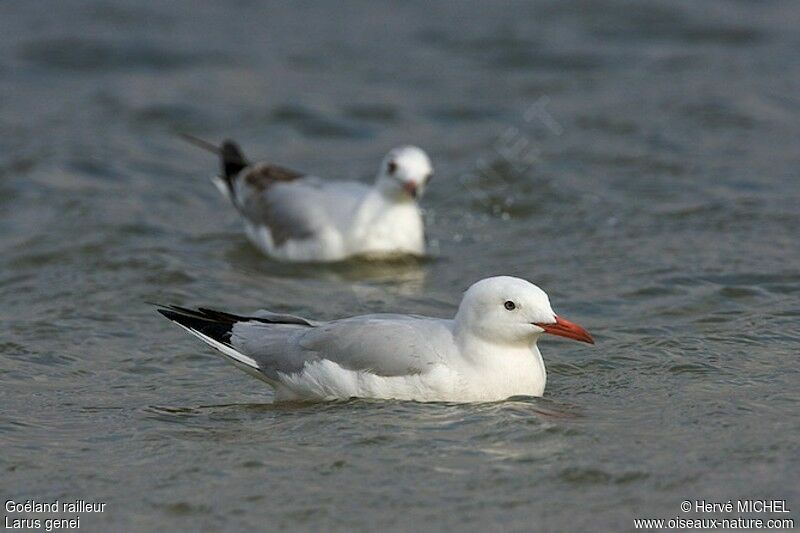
376	206
370	207
475	343
391	190
504	369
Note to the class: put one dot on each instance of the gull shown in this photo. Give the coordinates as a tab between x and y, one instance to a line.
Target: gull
292	216
487	352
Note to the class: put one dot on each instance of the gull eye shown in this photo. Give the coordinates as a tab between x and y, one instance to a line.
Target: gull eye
392	167
509	305
428	177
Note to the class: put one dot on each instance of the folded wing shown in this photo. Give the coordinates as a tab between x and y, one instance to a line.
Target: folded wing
271	345
301	208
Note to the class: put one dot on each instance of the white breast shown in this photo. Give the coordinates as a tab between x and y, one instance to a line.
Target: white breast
388	228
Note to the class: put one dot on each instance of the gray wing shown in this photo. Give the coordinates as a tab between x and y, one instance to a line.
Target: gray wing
268	345
294	206
385	345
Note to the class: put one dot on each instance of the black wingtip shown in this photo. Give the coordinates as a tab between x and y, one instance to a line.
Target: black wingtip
218	330
171	315
233	159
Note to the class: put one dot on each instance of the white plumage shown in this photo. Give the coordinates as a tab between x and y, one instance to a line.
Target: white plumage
487	352
294	217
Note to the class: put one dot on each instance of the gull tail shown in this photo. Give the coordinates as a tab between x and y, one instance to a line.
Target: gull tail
232	161
214	328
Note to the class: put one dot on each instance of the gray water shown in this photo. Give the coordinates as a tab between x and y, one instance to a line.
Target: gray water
638	160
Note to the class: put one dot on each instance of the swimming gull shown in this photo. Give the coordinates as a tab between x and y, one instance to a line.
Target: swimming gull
487	352
292	216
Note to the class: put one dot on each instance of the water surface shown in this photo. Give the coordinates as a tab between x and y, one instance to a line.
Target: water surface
638	160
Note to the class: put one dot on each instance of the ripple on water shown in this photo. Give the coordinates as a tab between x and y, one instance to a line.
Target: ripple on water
717	115
578	475
84	54
377	112
662	215
170	414
312	123
694	368
184	508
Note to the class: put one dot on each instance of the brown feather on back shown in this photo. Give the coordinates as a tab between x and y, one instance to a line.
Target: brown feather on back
258	207
263	175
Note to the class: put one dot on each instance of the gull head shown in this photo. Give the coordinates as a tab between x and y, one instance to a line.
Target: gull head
508	310
404	173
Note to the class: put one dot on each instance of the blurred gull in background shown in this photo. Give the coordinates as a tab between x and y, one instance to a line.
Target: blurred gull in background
294	217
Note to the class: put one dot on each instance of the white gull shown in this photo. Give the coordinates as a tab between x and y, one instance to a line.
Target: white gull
291	216
487	352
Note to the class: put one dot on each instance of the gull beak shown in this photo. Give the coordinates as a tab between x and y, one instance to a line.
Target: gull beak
565	328
411	188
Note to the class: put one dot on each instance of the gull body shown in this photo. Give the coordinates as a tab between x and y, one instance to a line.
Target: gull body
487	352
291	216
